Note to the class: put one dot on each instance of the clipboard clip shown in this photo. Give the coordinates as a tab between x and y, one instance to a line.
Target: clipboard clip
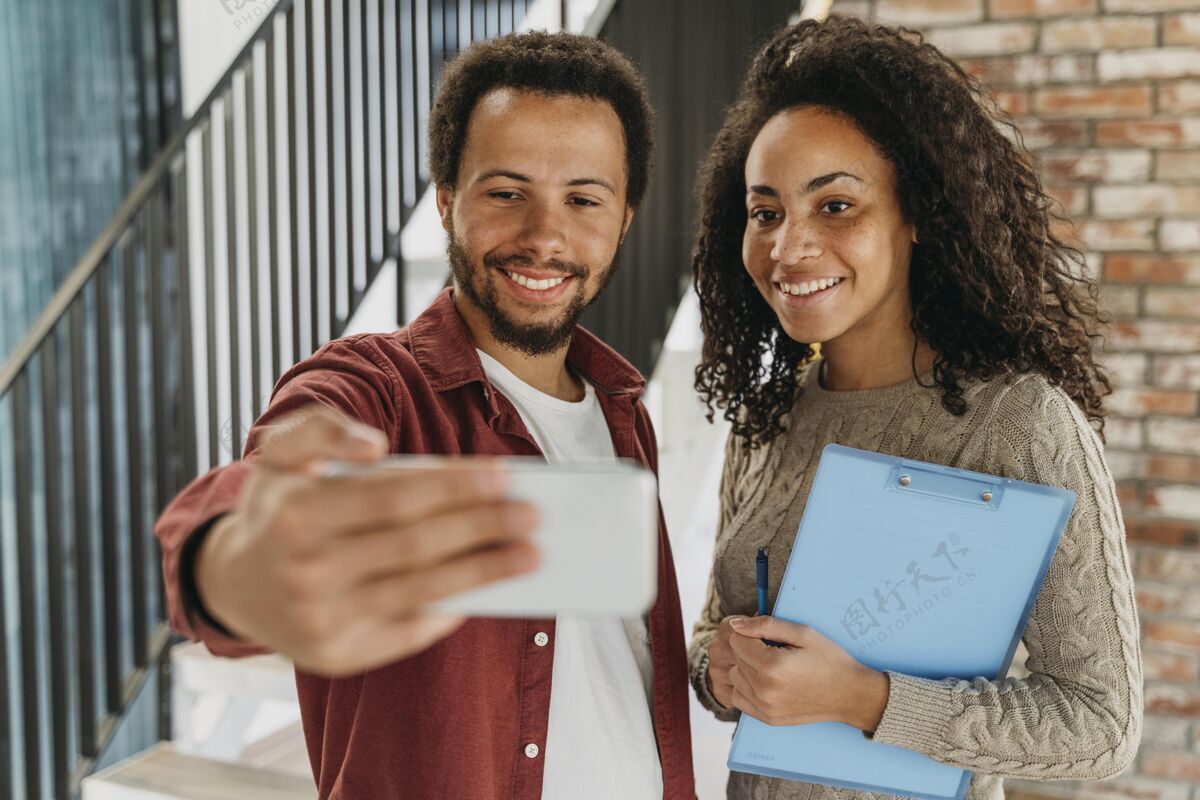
947	483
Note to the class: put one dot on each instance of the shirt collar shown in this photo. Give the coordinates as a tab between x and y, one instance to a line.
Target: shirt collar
445	352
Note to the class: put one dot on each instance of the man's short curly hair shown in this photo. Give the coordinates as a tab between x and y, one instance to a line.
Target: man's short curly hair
553	64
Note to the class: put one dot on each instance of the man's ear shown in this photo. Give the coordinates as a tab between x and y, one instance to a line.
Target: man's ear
445	205
625	225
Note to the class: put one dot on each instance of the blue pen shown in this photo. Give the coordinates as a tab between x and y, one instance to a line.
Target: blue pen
761	564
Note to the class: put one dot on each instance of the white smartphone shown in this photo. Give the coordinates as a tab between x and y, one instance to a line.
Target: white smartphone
597	535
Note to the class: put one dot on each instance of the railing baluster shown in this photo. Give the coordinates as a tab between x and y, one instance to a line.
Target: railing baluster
233	279
273	210
112	632
331	194
364	40
186	423
27	575
7	720
385	18
58	561
293	190
82	462
160	332
136	476
210	297
249	111
310	143
351	288
405	52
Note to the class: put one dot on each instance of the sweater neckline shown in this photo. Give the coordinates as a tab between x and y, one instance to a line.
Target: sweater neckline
818	394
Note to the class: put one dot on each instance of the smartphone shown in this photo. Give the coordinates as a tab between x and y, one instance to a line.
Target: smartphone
597	535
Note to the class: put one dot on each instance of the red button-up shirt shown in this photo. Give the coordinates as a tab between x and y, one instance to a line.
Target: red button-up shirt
454	721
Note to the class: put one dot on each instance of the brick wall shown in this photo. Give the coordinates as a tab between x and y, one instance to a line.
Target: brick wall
1107	95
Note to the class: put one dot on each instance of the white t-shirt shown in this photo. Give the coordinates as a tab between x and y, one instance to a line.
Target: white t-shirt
601	739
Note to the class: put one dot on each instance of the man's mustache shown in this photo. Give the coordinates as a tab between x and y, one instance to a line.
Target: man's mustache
558	265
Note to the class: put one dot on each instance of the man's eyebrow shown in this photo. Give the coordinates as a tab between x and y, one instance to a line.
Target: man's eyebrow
504	173
811	186
517	176
592	182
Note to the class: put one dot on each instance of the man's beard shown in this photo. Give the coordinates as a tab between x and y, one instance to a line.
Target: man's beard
529	338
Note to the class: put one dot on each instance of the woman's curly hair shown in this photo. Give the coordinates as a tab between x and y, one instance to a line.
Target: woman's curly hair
994	291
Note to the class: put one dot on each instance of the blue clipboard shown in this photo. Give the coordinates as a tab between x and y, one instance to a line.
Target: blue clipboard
912	567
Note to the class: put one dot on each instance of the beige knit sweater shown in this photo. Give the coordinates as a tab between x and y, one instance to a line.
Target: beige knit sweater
1078	715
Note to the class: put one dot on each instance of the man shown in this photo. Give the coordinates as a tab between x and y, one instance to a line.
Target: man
539	149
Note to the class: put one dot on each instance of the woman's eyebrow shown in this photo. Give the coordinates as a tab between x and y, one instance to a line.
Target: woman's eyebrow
811	186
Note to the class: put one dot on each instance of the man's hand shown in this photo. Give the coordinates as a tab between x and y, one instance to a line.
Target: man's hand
335	572
810	679
720	661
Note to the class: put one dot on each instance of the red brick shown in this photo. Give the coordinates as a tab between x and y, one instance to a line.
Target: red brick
1038	133
1181	29
1179	234
1162	598
1146	200
1170	566
1000	38
1169	667
1173	302
1148	6
1174	435
1176	766
1126	369
1093	102
1179	637
1156	335
1039	8
1121	302
1031	70
1098	33
1109	235
1123	432
1177	372
1173	500
1172	468
1177	166
1179	97
922	13
1159	133
1149	64
1072	199
1140	402
1125	268
1110	166
1013	103
1181	701
1170	533
1129	494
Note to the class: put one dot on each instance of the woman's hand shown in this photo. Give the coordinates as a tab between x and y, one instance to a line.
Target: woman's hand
810	679
720	661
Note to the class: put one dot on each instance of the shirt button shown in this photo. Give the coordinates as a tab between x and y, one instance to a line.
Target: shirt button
531	750
541	639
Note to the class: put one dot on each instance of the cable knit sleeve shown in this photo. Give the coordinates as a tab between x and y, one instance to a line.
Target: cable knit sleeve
711	616
1079	713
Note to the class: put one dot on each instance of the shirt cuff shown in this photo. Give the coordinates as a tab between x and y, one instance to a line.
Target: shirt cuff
188	591
700	684
917	713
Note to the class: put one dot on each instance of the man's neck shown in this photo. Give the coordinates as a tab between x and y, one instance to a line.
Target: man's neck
547	373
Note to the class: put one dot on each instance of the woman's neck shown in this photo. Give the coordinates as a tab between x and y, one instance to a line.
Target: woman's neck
853	363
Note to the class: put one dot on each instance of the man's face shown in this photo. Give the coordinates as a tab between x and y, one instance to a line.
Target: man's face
537	215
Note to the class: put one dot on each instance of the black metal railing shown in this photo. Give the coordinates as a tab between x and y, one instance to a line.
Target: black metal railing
250	240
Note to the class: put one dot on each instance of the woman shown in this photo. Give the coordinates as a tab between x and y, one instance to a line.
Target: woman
862	195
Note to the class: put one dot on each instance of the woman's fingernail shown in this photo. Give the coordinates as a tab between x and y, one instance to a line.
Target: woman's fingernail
738	622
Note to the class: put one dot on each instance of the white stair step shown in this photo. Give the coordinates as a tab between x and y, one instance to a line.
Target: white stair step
160	773
268	676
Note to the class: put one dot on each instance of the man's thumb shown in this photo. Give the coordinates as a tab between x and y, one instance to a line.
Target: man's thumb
303	440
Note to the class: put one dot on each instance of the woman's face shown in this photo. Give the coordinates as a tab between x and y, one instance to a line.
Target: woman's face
825	239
